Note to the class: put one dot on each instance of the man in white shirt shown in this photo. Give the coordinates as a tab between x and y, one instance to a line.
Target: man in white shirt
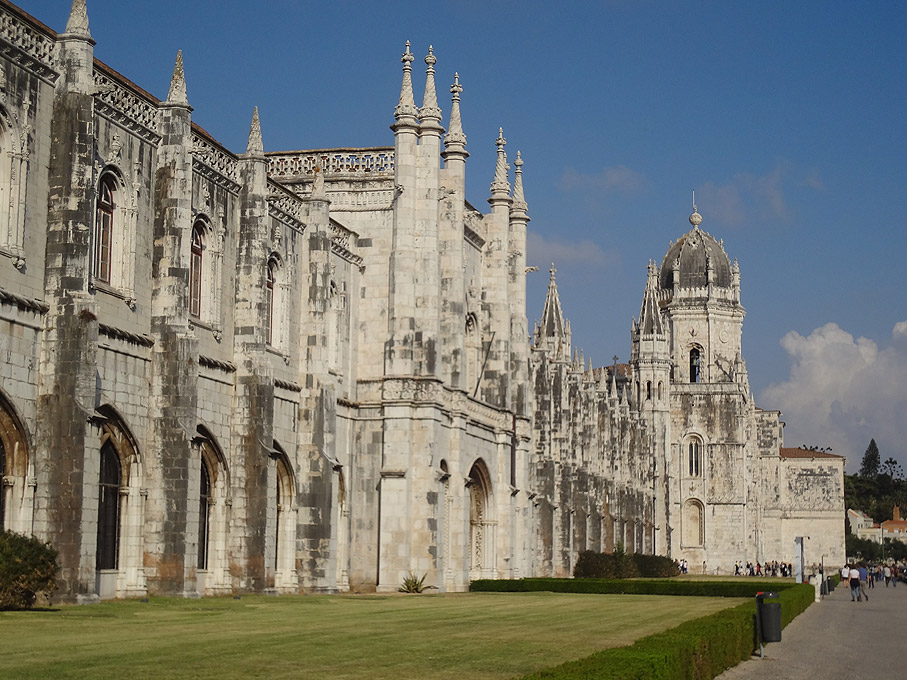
854	574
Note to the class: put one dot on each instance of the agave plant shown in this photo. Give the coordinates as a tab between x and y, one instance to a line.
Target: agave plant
413	584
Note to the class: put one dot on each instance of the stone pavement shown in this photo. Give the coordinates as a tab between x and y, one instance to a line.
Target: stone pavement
837	638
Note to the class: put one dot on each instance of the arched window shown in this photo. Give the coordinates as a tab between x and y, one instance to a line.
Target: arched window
648	390
14	161
204	501
271	302
661	388
109	508
693	526
473	363
694	457
695	367
104	226
195	270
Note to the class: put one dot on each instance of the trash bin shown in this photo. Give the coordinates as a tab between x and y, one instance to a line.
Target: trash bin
831	584
768	618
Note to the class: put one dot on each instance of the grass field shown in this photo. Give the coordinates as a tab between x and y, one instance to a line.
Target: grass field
464	636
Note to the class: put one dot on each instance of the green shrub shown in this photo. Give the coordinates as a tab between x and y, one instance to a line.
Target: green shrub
27	567
747	588
591	564
413	584
700	649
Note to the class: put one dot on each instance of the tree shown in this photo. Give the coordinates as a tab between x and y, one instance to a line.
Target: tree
893	469
872	461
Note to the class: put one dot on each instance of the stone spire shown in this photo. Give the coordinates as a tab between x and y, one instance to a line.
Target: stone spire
519	200
406	107
500	183
177	94
649	313
430	111
552	326
455	135
77	25
255	145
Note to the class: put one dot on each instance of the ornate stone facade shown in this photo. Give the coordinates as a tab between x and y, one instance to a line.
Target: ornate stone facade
312	370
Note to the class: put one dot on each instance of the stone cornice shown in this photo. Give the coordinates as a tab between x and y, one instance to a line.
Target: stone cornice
25	304
119	334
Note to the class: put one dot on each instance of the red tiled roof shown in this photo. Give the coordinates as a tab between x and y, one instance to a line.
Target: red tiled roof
806	453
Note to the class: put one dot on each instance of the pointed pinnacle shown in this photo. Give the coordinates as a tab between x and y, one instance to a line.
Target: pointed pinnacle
500	184
406	107
430	109
519	199
77	24
255	144
455	134
177	94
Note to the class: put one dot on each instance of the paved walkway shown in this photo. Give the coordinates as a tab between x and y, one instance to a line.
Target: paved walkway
837	638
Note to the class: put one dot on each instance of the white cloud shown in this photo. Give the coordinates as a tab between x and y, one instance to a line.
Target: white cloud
745	197
813	181
561	253
843	391
618	179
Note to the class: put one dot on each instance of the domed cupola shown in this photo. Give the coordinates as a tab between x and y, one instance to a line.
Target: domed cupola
695	260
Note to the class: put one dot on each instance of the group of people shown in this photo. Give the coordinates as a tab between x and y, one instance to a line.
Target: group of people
861	577
773	568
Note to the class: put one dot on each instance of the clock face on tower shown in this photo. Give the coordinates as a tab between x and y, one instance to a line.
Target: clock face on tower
723	335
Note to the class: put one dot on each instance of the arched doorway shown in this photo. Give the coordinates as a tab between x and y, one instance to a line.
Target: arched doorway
284	527
212	576
119	548
16	496
481	523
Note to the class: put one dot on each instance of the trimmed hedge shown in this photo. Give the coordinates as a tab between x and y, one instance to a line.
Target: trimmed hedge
28	566
593	564
699	649
599	586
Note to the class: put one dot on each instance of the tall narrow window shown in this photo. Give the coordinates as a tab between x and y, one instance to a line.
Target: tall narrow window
204	495
277	526
103	244
694	458
195	270
269	301
695	374
109	508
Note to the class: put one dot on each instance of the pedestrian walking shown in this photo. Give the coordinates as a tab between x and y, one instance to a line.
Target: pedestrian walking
854	578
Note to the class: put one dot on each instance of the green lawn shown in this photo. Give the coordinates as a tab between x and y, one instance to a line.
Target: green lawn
469	635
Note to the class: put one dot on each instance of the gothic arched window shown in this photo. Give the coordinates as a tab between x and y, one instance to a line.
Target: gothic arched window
694	457
695	373
195	270
204	501
271	302
109	508
104	226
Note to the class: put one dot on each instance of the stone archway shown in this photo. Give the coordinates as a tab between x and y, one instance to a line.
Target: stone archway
16	496
481	523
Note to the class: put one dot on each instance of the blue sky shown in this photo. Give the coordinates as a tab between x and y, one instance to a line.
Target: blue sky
786	118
